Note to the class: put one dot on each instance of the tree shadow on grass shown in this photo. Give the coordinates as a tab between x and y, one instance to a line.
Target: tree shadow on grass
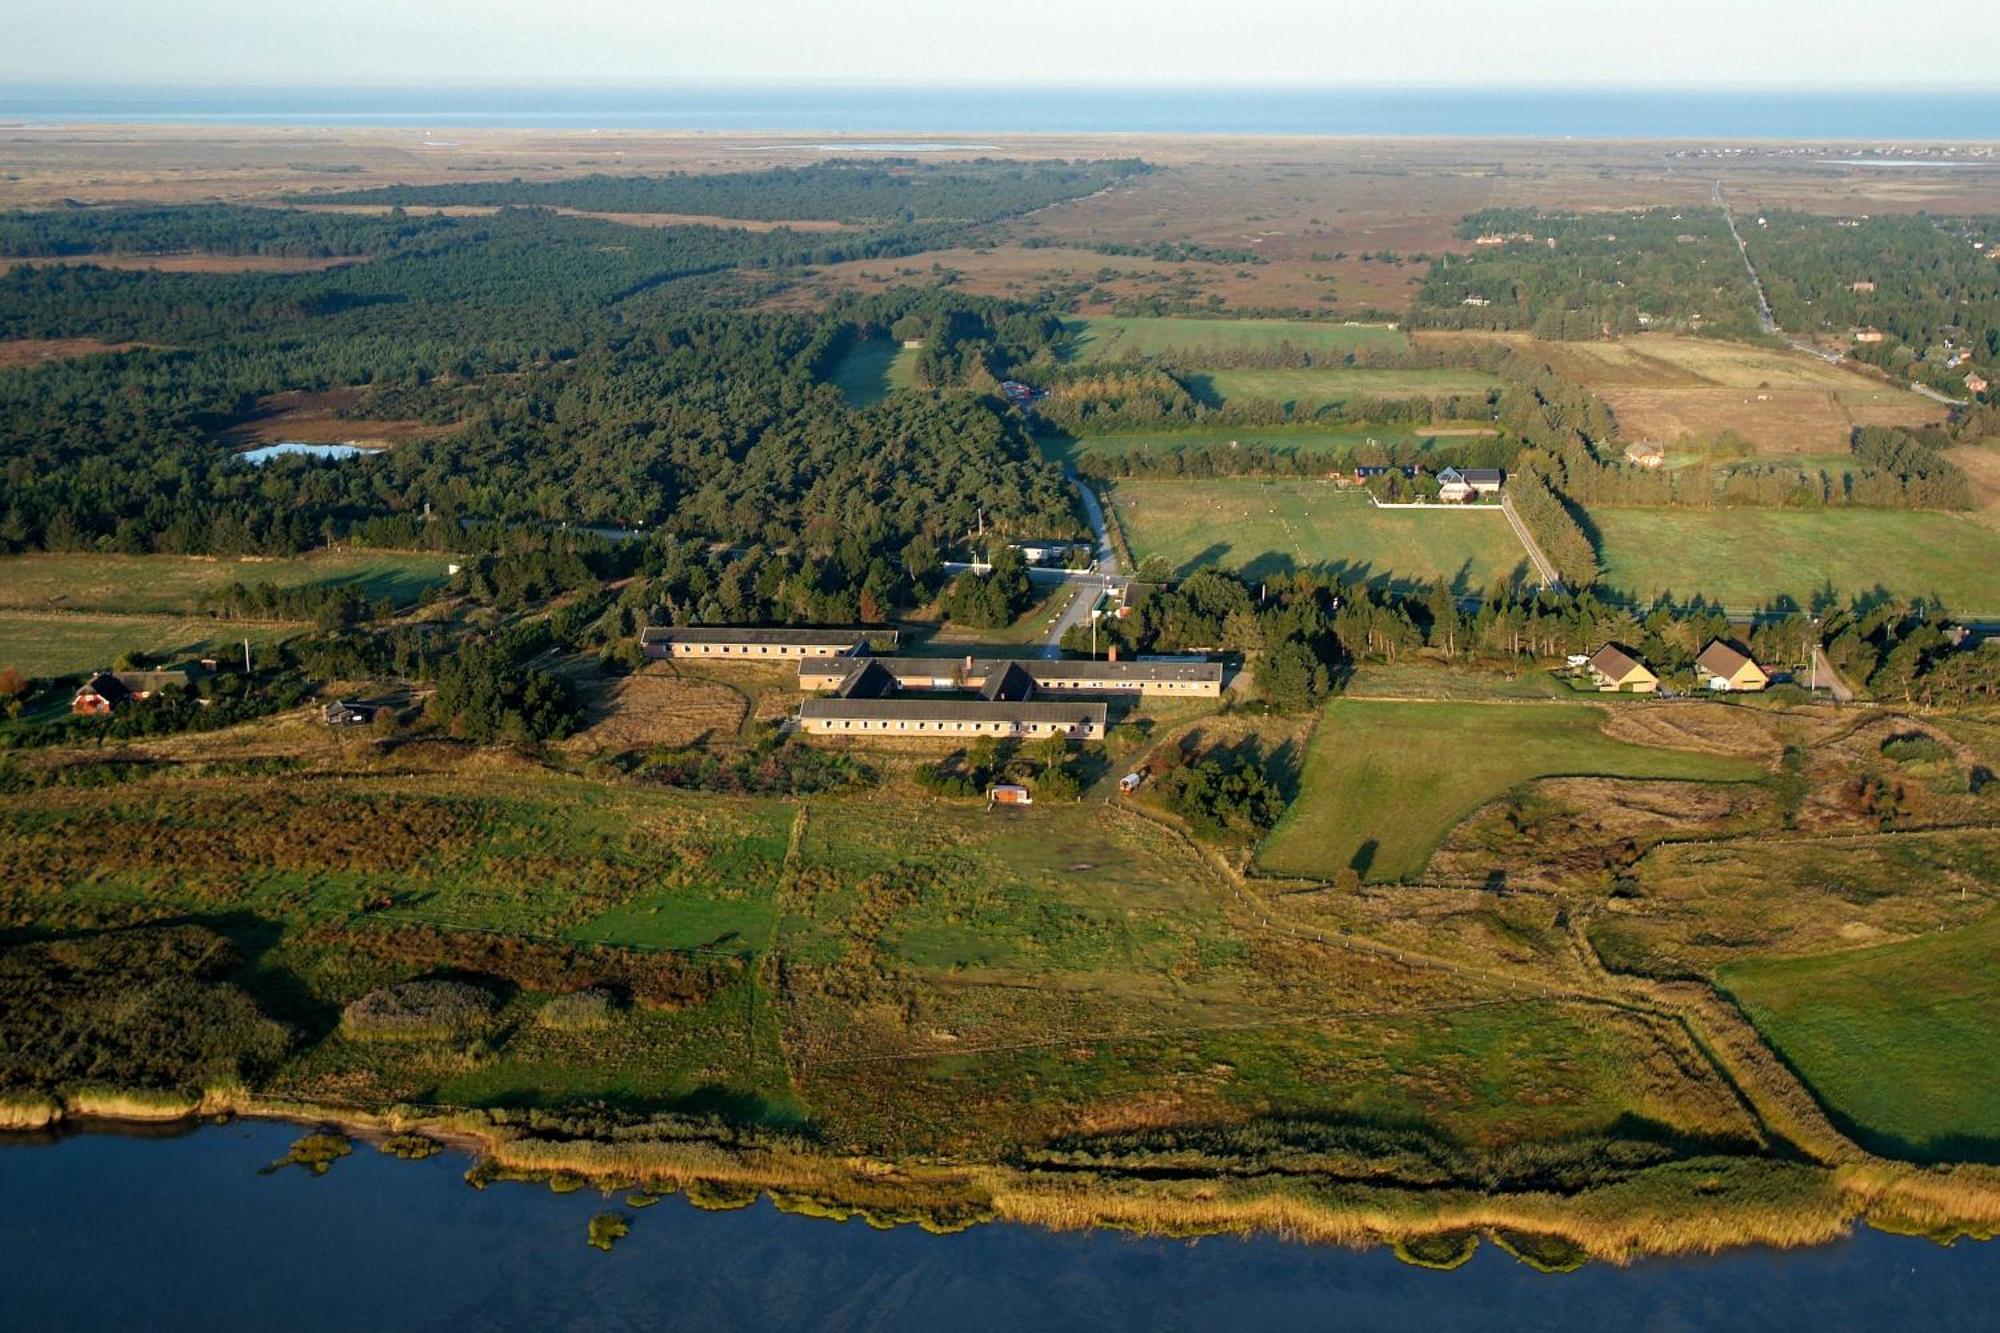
710	1101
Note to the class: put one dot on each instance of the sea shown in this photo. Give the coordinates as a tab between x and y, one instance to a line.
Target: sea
1848	116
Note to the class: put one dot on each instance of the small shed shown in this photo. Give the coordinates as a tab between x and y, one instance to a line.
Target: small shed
1130	782
1009	794
347	713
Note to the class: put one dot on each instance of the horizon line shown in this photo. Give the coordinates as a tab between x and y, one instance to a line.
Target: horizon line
17	85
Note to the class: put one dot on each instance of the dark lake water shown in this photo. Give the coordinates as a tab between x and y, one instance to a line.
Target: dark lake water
108	1232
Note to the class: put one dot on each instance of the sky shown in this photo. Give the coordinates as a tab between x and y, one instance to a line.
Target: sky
938	43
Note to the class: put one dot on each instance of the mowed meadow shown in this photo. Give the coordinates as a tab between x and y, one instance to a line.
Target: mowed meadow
61	613
162	583
1328	385
1750	558
1385	780
1671	390
1264	526
1899	1042
1111	338
872	369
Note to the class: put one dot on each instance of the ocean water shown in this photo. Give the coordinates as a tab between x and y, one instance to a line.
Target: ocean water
1867	116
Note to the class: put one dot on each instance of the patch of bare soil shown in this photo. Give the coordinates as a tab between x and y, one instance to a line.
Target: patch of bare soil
635	712
1579	832
15	352
624	219
323	417
1698	725
193	263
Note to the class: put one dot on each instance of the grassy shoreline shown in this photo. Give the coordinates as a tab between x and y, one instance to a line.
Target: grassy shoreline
1695	1207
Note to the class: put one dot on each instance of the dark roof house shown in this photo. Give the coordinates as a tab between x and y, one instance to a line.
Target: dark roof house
109	690
1010	684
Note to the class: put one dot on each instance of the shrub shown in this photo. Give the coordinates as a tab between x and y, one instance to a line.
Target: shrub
940	780
1057	784
579	1011
153	1005
655	979
1442	1250
607	1229
484	695
785	769
1915	748
426	1010
411	1147
720	1195
1222	798
315	1152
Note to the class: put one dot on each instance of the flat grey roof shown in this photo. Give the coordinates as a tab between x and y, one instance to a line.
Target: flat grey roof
1091	670
951	710
896	666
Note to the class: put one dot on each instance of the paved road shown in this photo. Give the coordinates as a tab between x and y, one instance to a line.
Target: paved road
1107	559
1036	573
1936	397
1764	316
1103	573
1823	676
1550	579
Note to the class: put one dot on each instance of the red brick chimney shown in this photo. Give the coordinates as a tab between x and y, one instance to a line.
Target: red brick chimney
1114	653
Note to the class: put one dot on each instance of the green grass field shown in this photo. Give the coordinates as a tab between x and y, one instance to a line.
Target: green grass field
55	644
1385	781
1333	384
1266	526
1748	557
1111	338
1901	1042
1292	441
166	584
874	367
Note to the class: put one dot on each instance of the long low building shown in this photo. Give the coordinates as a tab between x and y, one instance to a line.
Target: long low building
1187	679
736	643
950	718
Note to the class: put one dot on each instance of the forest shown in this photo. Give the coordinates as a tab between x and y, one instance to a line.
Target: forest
1570	276
1918	279
878	191
578	364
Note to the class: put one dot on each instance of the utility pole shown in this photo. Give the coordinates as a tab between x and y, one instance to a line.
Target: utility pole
246	657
